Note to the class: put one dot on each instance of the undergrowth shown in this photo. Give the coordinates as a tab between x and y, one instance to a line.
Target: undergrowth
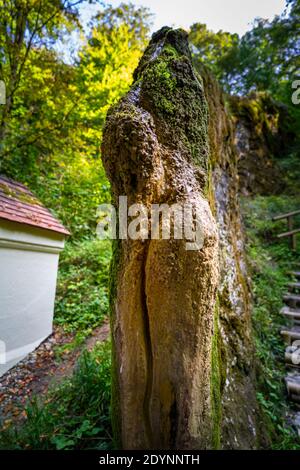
82	287
74	415
271	260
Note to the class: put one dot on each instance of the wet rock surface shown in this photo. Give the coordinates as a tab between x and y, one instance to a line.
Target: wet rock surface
262	137
184	368
155	150
241	426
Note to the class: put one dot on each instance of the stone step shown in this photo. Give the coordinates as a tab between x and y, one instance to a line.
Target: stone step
291	313
292	382
295	273
294	285
292	356
295	421
295	398
291	298
291	334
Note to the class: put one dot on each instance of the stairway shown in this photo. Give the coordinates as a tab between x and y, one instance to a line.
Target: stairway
291	335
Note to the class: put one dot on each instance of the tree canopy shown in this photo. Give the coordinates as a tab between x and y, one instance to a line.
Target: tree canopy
51	124
264	58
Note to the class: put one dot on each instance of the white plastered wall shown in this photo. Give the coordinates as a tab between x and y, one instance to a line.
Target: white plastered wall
28	272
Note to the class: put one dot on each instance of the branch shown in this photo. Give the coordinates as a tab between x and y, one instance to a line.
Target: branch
44	131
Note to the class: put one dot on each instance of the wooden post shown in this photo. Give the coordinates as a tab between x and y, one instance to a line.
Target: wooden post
294	242
293	236
291	233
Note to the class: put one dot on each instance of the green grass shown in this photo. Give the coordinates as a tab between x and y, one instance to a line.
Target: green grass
82	288
270	261
75	415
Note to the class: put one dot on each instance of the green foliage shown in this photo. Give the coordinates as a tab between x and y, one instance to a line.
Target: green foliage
51	131
269	53
258	217
290	167
74	415
106	63
270	262
51	126
73	191
37	81
265	58
216	50
216	383
82	291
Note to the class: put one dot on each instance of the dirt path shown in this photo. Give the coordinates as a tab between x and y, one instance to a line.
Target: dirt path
66	368
39	370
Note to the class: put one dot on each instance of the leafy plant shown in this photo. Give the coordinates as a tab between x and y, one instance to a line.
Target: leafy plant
74	415
270	261
82	292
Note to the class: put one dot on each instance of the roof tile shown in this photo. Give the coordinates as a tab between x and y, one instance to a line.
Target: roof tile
18	204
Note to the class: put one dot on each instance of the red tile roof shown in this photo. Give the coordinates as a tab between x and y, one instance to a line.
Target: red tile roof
18	204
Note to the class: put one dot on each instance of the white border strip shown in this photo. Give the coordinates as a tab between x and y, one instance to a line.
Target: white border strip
4	243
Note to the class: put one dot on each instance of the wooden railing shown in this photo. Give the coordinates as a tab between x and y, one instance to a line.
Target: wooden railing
292	232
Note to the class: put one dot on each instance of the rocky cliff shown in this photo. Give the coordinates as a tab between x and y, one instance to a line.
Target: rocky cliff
241	423
263	136
184	372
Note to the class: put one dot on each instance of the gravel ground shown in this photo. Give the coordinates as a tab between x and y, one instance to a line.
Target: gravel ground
41	368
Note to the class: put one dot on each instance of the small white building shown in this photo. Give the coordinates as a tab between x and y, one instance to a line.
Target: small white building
30	242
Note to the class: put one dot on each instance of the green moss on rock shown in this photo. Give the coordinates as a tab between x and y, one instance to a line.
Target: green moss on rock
115	393
216	408
170	131
173	93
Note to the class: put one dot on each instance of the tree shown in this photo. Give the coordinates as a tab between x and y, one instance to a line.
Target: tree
106	64
52	121
26	28
216	50
266	58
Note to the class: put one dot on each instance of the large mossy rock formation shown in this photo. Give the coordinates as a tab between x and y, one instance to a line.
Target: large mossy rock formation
242	423
263	136
183	374
155	150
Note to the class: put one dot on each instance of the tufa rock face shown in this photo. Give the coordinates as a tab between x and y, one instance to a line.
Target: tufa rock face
184	364
242	424
262	138
163	297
